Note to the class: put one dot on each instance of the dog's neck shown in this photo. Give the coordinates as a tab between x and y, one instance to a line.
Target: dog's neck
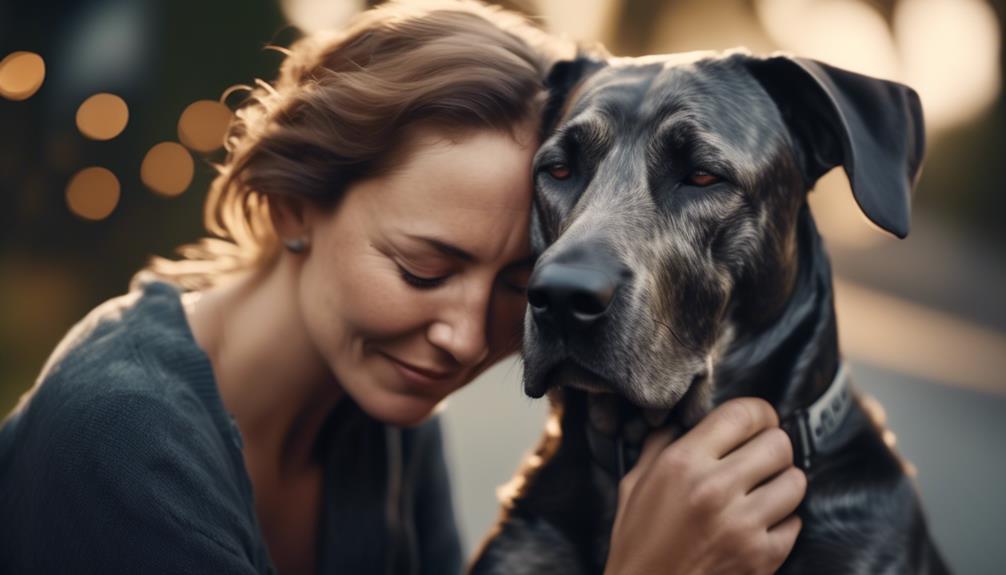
789	361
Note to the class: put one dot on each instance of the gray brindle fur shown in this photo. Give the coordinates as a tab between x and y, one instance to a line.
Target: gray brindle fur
679	266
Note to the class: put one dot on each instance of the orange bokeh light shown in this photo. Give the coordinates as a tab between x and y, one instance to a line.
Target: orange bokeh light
167	169
93	193
102	116
203	125
21	75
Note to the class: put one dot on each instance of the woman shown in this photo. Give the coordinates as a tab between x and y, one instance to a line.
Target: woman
373	210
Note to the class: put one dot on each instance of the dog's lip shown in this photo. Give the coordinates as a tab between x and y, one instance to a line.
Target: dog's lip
570	373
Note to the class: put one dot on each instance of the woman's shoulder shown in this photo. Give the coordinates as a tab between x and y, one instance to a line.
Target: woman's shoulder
137	345
112	429
138	331
130	363
124	466
102	397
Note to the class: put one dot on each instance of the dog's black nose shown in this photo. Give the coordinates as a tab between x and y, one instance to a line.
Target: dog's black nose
574	289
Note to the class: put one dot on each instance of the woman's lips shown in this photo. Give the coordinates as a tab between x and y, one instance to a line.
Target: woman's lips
418	374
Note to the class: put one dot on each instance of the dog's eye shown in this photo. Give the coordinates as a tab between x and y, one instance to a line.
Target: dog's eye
702	179
559	171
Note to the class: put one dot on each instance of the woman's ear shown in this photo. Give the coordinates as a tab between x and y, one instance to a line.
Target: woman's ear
291	221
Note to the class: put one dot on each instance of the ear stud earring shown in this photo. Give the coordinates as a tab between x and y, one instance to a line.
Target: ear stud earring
296	245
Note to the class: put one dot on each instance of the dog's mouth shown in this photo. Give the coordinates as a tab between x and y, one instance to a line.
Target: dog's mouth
571	374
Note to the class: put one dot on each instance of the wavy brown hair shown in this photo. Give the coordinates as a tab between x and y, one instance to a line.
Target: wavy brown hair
341	106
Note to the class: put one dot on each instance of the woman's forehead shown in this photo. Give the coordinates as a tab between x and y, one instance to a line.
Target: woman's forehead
476	171
472	192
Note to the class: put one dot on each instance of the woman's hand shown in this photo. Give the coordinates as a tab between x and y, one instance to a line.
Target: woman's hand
718	500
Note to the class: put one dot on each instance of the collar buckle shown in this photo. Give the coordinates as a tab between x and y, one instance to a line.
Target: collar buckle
812	428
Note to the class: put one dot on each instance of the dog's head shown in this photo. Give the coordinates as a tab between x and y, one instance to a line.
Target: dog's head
667	194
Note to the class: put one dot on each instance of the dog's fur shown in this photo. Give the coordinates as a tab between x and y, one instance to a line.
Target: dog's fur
715	292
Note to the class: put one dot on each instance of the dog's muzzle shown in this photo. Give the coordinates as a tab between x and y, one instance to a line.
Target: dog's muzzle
573	289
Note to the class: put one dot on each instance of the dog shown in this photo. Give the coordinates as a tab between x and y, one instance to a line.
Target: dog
679	266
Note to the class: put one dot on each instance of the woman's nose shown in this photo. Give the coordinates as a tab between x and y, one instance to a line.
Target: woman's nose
463	341
462	332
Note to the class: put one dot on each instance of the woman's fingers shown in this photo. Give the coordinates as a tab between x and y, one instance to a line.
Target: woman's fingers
718	500
761	458
654	445
771	503
730	425
780	541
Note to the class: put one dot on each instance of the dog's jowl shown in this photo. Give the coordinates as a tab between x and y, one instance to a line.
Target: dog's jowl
679	266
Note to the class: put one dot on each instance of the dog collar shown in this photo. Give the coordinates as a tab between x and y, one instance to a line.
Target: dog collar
812	428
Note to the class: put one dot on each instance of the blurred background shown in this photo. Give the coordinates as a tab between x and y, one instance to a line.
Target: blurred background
112	112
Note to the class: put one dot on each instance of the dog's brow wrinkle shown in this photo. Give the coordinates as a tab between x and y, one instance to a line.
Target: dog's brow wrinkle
742	132
592	132
615	96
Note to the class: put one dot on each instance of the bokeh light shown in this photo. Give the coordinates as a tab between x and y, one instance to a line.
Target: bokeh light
676	29
167	169
102	116
948	50
21	75
203	125
951	56
824	29
93	193
316	15
591	22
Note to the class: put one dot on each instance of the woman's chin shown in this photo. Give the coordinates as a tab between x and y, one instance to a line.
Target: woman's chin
399	409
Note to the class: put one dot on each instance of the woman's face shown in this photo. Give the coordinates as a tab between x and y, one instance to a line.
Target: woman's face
415	282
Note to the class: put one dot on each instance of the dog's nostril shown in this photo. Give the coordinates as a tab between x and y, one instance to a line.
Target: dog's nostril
573	295
589	304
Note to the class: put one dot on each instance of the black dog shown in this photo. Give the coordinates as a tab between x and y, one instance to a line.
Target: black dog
679	267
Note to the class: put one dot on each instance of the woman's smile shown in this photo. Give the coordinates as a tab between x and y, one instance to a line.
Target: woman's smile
421	376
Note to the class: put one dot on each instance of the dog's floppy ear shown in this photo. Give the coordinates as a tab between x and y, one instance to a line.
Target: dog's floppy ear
872	127
562	78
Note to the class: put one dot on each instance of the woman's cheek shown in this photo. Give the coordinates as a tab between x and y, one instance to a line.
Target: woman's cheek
385	306
508	324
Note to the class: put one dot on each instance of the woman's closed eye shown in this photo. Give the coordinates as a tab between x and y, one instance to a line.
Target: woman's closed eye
421	281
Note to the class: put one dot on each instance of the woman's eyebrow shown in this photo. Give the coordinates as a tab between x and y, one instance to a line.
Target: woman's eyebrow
444	248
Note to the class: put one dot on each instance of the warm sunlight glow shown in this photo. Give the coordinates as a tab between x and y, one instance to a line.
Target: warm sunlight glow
947	50
583	20
951	54
923	342
315	15
846	33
